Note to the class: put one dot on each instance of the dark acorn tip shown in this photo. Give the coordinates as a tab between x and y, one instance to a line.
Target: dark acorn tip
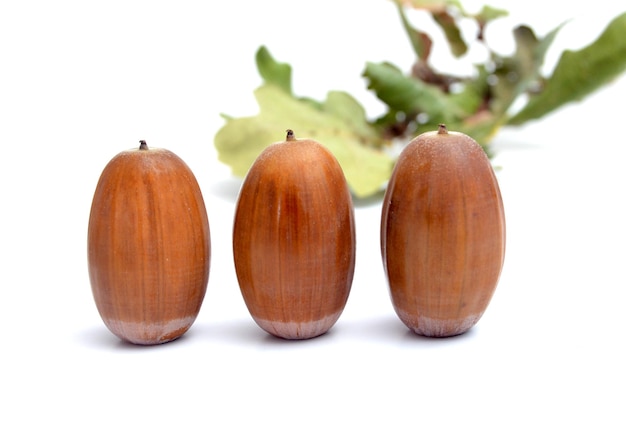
143	145
442	129
290	135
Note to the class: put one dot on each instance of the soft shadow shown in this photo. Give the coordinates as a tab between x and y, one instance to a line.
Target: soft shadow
368	201
411	336
98	337
390	330
227	189
507	140
380	329
240	331
102	338
247	332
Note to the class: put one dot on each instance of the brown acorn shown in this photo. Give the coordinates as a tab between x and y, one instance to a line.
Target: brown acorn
442	233
294	239
149	246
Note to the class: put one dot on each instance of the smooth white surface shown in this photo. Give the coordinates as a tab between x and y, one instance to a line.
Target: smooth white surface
80	82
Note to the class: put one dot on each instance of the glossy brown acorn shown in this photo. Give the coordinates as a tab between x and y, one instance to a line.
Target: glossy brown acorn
148	246
442	233
294	239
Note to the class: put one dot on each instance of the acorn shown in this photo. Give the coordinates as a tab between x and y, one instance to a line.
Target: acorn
149	246
294	239
442	233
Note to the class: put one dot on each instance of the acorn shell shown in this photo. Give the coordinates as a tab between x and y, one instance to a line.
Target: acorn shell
148	246
442	233
294	239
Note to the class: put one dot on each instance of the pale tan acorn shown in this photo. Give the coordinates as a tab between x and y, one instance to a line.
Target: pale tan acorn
149	246
294	239
442	233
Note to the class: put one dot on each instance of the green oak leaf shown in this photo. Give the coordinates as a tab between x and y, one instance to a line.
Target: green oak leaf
579	73
272	71
478	105
531	51
339	123
410	95
431	5
470	93
420	41
519	73
488	14
451	30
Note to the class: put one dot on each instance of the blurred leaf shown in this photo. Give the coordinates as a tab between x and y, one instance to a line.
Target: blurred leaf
410	95
579	73
345	108
273	72
451	31
339	124
471	92
518	74
417	101
420	41
488	13
525	47
429	5
530	53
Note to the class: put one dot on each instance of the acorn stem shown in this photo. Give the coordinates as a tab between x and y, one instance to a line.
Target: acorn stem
442	129
143	145
290	135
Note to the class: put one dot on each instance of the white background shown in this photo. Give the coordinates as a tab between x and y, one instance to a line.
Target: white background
82	81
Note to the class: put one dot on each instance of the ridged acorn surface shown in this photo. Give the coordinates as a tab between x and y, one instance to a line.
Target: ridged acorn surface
294	239
442	233
149	246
